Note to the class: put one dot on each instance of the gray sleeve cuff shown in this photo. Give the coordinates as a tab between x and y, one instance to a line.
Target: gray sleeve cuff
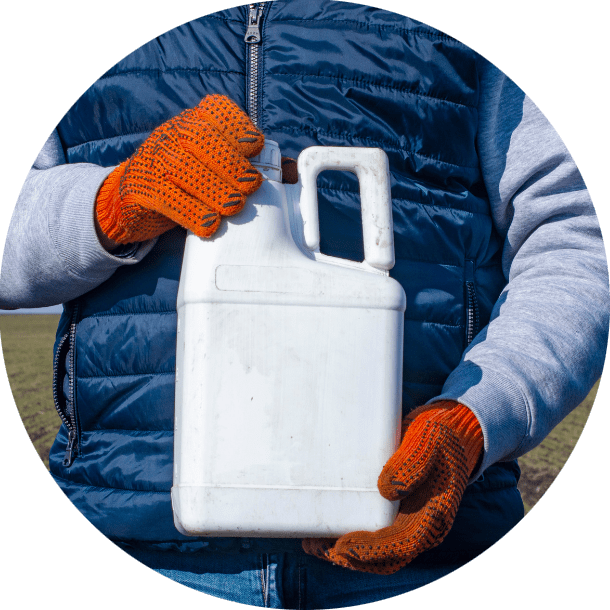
52	253
498	404
72	226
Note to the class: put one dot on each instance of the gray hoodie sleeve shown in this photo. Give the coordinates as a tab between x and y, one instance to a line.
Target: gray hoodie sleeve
52	253
545	345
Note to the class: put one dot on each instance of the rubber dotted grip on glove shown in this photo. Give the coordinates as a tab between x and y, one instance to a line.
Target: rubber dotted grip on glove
428	474
444	425
190	171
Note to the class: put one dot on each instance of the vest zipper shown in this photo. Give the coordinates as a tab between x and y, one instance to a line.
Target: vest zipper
472	305
66	409
253	39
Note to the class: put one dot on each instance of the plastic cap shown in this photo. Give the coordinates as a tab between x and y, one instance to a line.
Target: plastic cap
269	161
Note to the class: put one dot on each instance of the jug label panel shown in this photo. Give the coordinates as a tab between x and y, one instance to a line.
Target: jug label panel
283	280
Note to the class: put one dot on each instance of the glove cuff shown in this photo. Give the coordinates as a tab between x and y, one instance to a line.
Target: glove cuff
108	207
461	421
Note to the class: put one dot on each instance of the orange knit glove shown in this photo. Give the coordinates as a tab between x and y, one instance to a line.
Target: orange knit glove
428	473
191	171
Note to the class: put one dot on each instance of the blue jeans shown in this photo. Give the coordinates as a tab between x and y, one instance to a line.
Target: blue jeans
283	579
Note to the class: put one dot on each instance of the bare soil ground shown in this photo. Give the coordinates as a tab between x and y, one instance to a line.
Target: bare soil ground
27	344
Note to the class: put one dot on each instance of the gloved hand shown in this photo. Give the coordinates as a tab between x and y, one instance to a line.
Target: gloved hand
428	473
190	171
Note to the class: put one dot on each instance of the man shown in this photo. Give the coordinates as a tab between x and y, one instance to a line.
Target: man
483	192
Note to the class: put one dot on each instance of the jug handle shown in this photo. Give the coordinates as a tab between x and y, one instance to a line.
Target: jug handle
372	169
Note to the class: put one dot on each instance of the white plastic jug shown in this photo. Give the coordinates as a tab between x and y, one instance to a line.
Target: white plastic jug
289	363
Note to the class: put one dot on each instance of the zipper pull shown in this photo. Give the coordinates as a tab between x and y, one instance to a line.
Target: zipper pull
70	449
253	33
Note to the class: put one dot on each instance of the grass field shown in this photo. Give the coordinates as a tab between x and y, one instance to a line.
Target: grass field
27	344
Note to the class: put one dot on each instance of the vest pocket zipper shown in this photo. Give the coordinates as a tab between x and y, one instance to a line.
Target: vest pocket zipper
66	407
472	305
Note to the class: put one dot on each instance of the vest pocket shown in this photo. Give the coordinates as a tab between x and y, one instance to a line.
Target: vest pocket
471	302
64	366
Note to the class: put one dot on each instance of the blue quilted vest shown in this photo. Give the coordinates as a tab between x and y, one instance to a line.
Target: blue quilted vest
326	74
